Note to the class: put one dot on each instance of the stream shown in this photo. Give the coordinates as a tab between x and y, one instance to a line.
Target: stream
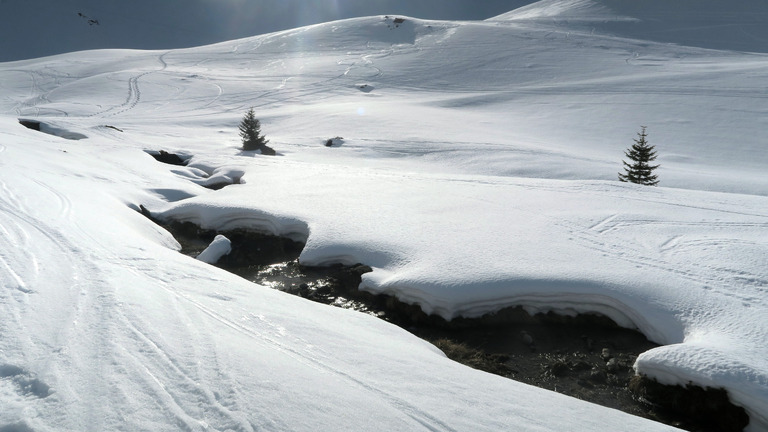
586	356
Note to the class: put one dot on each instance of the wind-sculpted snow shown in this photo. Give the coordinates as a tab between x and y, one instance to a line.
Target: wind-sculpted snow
713	24
590	11
478	172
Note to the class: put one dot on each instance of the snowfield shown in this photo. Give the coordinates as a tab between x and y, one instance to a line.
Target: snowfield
477	171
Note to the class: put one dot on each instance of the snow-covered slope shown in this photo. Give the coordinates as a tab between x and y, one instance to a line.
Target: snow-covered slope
477	171
30	29
735	25
105	327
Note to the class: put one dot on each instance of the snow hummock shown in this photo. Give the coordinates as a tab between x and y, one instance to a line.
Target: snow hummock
219	247
478	172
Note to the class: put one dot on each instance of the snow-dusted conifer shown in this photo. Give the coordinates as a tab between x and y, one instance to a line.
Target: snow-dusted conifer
641	153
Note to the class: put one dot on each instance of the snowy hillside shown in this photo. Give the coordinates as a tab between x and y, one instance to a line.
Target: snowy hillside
477	171
30	29
736	25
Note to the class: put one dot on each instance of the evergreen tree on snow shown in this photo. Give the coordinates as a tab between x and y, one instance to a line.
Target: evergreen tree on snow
250	132
640	154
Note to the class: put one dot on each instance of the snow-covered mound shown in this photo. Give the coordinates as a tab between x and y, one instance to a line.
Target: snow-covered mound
219	247
478	171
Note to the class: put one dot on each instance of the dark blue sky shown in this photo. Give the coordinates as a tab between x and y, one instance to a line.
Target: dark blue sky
35	28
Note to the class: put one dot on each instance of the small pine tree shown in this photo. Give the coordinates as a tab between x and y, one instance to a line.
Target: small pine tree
250	132
641	153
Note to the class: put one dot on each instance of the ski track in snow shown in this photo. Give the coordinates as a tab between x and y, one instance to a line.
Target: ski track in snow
37	95
84	307
74	333
24	234
15	233
133	97
263	338
185	387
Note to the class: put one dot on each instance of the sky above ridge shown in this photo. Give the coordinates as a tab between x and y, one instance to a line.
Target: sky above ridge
36	28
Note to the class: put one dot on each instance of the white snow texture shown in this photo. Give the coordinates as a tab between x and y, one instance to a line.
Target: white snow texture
478	171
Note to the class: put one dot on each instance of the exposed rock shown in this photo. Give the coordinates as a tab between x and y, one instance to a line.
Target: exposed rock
559	369
334	142
527	340
691	407
598	376
581	365
146	213
612	365
606	354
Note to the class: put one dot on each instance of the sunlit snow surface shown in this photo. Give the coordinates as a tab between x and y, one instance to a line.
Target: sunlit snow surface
477	171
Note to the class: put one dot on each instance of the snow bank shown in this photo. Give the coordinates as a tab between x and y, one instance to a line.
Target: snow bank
50	129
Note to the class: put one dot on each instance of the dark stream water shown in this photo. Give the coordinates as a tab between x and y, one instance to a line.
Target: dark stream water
588	356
